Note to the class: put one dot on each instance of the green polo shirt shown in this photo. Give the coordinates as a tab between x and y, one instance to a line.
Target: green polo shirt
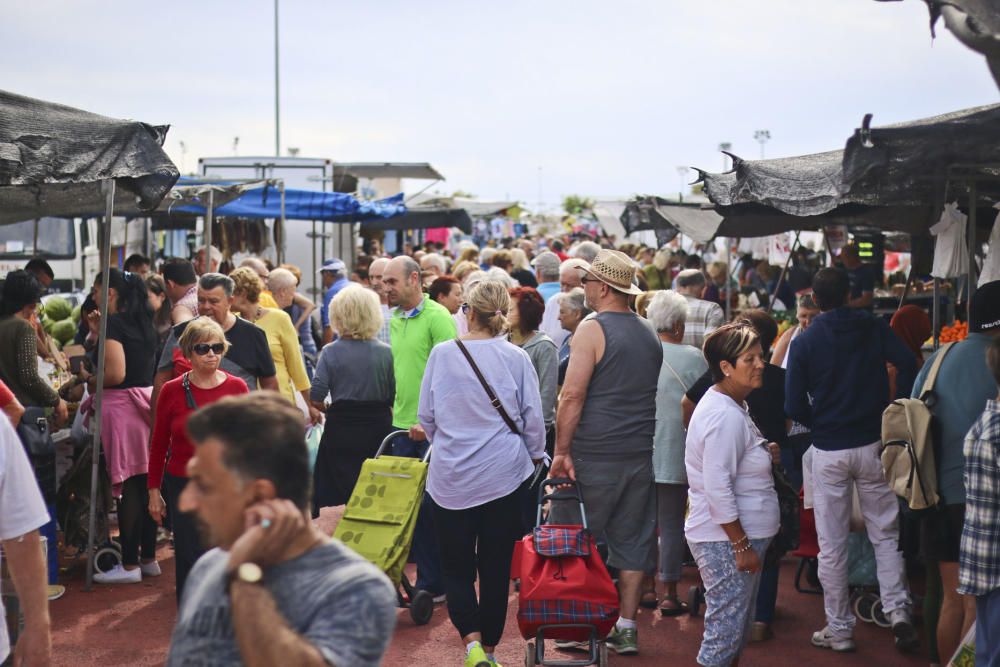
413	334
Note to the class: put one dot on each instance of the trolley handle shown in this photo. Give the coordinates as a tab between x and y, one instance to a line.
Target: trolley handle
388	439
572	493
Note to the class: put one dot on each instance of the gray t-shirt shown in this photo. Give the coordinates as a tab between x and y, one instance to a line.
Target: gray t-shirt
354	370
332	597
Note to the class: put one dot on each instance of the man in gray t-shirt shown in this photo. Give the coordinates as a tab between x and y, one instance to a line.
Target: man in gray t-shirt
276	591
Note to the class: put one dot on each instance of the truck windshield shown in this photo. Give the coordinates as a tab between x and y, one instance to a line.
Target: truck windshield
55	239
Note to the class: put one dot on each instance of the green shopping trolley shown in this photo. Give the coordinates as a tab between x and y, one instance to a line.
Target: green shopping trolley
380	517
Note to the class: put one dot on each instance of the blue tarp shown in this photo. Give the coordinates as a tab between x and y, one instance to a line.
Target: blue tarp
302	205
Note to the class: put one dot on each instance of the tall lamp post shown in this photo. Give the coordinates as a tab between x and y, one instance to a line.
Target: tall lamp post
277	103
681	174
762	137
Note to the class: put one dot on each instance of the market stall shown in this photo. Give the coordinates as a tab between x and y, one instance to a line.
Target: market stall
57	160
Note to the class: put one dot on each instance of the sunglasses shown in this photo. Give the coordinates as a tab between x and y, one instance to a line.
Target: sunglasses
201	349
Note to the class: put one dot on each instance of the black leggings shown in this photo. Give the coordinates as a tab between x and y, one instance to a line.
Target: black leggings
136	529
479	539
187	541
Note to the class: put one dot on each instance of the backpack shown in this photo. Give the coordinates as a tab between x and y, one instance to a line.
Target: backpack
908	444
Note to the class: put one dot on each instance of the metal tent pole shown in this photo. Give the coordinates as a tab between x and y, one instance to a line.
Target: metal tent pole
209	221
936	313
729	280
971	240
784	270
105	254
280	251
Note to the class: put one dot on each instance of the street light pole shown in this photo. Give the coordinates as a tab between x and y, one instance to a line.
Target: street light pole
681	173
762	137
277	103
725	147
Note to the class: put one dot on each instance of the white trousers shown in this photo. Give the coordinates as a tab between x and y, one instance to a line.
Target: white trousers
835	475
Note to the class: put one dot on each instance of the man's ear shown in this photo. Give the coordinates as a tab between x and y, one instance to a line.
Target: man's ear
263	489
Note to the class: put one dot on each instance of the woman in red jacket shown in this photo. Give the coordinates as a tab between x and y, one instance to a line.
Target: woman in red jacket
203	343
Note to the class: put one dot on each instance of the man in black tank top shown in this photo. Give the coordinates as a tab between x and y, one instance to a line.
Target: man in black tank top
605	426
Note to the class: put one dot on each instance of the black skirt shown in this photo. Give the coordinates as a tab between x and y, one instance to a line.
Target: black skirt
352	433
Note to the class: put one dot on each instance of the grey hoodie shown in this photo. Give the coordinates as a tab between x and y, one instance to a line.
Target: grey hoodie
545	358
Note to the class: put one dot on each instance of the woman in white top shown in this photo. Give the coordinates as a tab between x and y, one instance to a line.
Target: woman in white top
806	310
480	467
733	506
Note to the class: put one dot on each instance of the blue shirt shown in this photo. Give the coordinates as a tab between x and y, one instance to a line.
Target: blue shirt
548	290
331	292
963	386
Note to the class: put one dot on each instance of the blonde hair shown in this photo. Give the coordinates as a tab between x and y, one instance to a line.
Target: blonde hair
356	312
490	301
463	269
469	255
247	283
642	302
520	259
728	343
200	330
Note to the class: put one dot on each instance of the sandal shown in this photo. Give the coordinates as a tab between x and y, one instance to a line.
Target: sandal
675	608
648	599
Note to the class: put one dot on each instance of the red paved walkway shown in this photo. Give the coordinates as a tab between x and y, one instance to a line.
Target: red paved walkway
130	625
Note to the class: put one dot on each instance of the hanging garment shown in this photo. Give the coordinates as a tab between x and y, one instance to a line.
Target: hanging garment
951	258
991	265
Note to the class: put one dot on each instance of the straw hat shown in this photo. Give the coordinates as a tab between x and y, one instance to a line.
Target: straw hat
615	270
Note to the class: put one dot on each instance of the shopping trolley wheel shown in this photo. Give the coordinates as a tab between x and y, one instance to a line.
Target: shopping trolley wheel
878	615
106	558
529	655
862	607
602	654
421	607
694	601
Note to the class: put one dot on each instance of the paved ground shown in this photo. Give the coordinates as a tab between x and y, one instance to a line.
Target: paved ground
130	625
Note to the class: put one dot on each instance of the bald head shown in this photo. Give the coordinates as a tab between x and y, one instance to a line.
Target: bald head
258	267
570	274
401	282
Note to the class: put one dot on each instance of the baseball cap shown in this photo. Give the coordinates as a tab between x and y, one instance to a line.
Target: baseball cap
984	313
333	264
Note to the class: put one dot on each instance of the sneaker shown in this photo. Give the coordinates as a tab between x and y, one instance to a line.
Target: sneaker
151	569
438	599
624	641
55	591
570	645
824	639
902	628
119	575
476	657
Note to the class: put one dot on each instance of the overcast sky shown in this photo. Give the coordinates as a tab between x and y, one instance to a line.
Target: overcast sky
607	98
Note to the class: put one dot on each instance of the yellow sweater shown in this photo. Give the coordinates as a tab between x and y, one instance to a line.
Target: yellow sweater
284	344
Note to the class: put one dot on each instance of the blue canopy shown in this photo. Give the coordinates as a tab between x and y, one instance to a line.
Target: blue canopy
265	202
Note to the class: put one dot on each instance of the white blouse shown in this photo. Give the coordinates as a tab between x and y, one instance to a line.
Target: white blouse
729	472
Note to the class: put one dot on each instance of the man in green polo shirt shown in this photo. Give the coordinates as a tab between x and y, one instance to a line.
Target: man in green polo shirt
417	325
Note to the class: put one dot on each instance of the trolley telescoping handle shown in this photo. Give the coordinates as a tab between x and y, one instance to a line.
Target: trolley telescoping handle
388	439
571	493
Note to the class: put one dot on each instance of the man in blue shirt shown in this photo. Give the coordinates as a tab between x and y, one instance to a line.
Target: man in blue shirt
963	386
837	385
334	275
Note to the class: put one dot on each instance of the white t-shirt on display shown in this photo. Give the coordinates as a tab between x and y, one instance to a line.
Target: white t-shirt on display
22	509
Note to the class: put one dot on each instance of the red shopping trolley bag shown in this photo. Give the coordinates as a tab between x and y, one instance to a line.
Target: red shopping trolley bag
563	579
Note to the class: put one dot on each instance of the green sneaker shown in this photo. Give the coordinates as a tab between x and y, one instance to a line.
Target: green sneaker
477	657
624	642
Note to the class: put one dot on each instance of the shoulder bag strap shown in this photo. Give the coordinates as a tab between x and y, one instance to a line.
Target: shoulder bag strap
189	395
935	367
494	401
679	380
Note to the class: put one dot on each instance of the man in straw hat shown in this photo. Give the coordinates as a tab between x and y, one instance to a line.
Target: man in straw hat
604	429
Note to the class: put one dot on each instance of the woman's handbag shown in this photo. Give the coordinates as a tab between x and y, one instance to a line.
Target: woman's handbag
494	401
787	538
34	433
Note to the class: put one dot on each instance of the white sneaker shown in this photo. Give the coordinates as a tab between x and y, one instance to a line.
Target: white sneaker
902	628
150	569
825	639
119	575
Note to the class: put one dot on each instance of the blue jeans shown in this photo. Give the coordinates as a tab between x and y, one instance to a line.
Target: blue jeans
988	629
424	551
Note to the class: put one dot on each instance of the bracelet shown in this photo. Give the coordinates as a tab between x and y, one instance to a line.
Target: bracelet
740	541
744	549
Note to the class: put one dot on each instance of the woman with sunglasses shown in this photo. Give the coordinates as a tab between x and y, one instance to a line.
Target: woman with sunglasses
203	343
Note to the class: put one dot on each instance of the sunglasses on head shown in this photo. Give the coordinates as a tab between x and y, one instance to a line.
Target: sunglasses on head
201	349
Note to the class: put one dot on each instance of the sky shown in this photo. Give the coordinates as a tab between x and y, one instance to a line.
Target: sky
527	100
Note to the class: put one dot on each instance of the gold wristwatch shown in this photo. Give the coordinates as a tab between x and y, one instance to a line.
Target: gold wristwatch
248	573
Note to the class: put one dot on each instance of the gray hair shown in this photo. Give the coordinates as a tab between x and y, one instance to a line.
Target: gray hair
280	279
486	255
587	251
547	266
496	274
435	259
666	310
574	300
209	281
690	278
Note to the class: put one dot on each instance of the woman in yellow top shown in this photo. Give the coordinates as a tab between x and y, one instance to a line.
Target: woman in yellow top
281	337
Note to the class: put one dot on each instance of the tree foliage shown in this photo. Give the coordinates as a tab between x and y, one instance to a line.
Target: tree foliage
575	204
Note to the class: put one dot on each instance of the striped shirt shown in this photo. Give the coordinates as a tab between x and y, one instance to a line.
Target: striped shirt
979	555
